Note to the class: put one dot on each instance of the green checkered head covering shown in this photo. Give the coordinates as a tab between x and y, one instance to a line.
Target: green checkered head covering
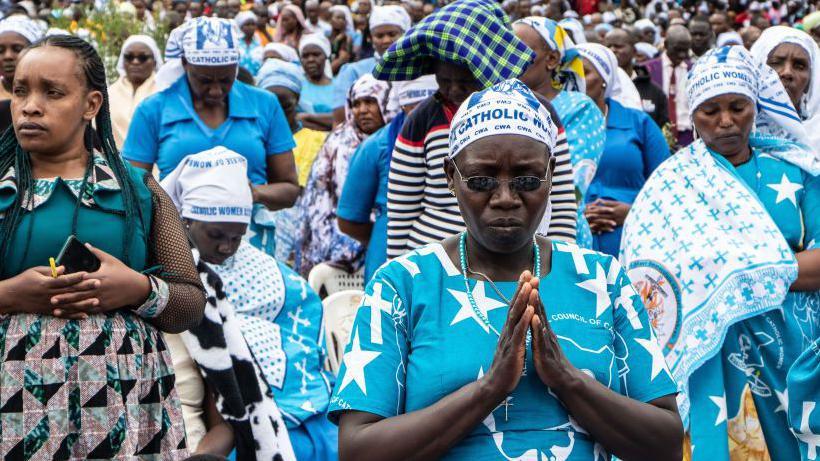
475	34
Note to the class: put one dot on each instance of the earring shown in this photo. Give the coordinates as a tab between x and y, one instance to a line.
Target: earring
453	192
603	84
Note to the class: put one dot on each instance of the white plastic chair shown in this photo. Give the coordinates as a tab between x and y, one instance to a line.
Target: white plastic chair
326	280
339	312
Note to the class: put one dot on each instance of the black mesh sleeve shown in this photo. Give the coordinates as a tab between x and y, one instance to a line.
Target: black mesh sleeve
169	249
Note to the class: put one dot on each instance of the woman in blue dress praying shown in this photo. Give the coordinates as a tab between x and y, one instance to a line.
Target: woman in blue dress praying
496	343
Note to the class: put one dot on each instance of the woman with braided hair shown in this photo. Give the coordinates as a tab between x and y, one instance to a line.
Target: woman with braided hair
84	370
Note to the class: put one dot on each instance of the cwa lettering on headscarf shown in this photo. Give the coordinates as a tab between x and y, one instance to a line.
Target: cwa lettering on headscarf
686	252
508	107
202	41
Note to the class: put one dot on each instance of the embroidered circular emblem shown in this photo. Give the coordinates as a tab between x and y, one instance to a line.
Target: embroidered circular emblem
660	293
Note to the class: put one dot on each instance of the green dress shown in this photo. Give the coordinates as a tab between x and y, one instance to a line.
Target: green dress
100	388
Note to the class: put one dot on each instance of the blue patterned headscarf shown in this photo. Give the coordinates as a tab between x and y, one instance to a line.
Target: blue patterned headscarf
733	70
508	108
570	73
471	33
276	72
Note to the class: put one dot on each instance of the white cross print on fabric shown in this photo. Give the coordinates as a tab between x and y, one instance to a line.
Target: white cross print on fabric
377	306
805	435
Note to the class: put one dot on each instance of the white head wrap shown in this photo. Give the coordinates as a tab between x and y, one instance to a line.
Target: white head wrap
508	107
286	52
393	15
646	49
575	28
733	70
202	41
211	186
30	29
318	39
618	87
345	10
417	90
810	103
642	24
243	17
276	72
144	40
728	38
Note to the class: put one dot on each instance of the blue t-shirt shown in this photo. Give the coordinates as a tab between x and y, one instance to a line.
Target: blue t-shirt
347	76
634	147
370	165
416	339
166	128
316	99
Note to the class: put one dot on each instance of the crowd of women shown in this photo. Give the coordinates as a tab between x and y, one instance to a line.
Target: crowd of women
585	230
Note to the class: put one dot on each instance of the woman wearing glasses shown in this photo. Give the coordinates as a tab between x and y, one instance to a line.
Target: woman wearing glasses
571	376
137	65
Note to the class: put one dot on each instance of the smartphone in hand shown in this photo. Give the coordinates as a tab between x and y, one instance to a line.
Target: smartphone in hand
76	257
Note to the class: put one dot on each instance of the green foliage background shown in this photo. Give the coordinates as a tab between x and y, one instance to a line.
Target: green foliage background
108	30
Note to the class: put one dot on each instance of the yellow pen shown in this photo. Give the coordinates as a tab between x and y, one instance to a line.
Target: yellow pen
53	267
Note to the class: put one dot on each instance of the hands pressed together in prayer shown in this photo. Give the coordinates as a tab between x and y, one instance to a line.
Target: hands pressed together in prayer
77	295
527	314
605	215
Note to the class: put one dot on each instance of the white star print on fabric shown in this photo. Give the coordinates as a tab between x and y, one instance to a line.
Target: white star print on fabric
377	306
806	435
577	254
785	190
485	305
783	398
412	268
598	286
355	361
658	362
720	401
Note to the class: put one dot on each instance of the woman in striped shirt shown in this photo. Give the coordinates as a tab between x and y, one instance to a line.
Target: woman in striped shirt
455	44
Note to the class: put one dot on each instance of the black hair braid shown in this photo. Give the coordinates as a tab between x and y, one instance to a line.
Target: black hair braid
12	155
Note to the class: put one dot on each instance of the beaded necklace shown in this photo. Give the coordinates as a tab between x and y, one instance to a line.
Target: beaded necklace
462	253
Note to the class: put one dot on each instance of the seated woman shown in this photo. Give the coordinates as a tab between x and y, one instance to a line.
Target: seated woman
633	147
319	239
268	319
722	243
443	365
796	59
290	26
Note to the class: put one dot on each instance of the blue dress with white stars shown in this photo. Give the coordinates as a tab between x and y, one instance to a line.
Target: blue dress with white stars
416	339
758	353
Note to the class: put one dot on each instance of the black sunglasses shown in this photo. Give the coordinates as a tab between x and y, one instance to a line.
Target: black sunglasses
140	58
489	183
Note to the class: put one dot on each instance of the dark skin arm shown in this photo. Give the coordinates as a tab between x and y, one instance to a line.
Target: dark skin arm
613	420
808	271
344	55
219	438
605	215
338	116
282	188
429	433
319	122
143	165
358	230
